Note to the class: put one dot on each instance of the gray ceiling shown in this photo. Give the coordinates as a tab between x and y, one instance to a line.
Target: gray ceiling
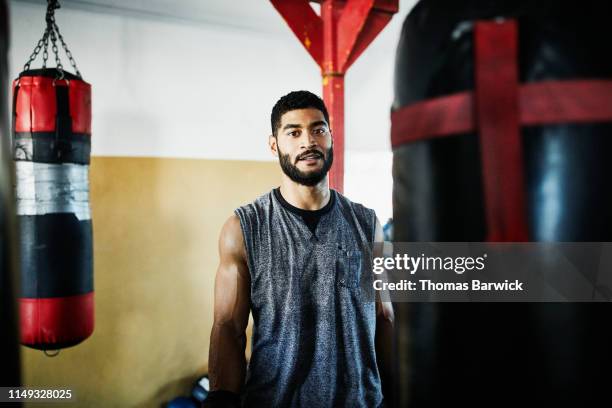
248	14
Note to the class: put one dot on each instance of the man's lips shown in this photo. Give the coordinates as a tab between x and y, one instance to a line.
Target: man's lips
311	157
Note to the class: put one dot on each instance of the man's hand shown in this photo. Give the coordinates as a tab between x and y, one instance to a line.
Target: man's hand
226	360
221	399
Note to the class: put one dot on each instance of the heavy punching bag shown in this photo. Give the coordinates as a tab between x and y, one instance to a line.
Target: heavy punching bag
51	144
501	131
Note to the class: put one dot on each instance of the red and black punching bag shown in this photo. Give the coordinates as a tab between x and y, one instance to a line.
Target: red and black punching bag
501	131
51	145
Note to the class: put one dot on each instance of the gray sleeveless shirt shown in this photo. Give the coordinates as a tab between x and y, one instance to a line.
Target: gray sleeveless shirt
314	326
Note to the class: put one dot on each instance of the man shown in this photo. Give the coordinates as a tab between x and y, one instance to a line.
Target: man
294	258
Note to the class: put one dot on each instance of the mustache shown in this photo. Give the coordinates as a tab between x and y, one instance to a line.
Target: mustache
314	152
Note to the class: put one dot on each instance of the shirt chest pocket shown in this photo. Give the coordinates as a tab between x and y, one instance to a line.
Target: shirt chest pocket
349	264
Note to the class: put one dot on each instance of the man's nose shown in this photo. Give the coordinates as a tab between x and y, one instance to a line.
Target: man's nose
308	139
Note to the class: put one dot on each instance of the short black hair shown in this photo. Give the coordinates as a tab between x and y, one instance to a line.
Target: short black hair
296	100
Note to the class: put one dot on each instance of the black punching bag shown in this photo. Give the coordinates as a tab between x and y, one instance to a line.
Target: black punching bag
9	339
498	135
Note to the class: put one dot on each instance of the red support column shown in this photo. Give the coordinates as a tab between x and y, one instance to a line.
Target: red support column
335	40
333	88
333	95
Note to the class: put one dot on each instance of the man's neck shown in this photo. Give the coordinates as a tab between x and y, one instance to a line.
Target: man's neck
305	197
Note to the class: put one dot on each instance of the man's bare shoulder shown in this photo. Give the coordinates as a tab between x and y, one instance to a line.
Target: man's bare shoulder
231	240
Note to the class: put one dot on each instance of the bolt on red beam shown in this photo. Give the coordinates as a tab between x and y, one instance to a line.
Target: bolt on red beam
335	40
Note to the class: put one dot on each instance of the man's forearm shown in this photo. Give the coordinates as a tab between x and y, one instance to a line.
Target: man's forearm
384	352
226	360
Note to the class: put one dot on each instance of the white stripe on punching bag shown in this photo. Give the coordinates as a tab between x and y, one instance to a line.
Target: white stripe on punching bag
44	188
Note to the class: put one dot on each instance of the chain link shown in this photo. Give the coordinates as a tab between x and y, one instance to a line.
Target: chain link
46	49
52	32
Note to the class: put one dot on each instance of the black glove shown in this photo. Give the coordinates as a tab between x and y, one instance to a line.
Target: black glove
222	399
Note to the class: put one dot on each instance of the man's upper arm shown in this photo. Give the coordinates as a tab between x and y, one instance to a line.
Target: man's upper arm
232	282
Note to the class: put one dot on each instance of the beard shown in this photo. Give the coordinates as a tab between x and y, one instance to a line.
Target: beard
311	178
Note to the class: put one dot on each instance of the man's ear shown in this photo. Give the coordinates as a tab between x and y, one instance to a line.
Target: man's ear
272	142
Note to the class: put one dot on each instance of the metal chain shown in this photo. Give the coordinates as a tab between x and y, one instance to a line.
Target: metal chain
58	62
52	31
46	49
34	53
67	51
53	4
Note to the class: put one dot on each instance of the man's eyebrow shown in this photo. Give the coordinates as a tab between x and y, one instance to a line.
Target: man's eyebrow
318	123
291	126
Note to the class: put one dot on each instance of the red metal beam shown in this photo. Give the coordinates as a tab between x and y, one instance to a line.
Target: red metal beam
333	95
304	23
335	40
351	23
373	26
387	6
333	89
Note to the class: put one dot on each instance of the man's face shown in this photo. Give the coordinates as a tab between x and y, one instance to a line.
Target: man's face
304	146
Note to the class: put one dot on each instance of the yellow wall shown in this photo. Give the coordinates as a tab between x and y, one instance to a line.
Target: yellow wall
156	223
